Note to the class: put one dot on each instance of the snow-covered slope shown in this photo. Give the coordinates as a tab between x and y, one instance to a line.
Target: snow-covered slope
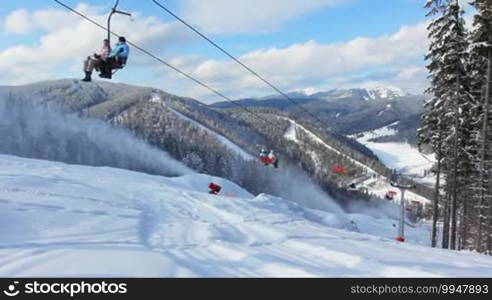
291	135
367	136
393	155
225	141
401	156
65	220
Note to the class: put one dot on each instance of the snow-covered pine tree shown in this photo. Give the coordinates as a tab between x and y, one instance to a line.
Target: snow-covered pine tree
474	219
457	108
481	46
432	128
446	113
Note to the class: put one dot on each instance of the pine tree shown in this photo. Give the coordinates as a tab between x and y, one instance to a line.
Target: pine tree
481	49
431	130
443	123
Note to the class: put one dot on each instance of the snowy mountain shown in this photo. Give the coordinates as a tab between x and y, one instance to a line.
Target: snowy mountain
61	220
342	94
207	139
391	93
356	113
351	111
153	115
374	93
366	94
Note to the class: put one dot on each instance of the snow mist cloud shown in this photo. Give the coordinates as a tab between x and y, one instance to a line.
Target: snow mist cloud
35	132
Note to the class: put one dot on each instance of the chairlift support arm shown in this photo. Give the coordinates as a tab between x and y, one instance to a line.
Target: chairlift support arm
115	11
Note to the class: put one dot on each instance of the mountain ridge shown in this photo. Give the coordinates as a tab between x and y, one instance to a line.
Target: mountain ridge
159	123
350	111
365	93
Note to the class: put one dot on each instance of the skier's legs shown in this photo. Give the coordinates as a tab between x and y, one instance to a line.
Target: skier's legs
88	67
100	65
91	65
86	64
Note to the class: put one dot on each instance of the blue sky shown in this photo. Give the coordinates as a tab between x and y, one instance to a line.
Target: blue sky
299	45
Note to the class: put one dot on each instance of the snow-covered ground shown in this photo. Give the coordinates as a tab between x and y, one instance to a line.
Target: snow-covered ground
65	220
401	156
405	158
380	186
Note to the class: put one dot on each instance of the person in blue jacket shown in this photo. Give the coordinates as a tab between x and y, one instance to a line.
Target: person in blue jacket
121	50
118	56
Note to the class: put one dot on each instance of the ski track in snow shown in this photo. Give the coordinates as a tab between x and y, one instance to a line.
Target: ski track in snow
65	220
291	135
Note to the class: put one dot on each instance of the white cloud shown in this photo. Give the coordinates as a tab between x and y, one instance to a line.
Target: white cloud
68	39
318	66
18	22
310	65
307	91
410	78
248	16
23	22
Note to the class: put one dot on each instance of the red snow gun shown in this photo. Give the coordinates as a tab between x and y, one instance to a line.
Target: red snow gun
400	239
338	170
214	188
269	161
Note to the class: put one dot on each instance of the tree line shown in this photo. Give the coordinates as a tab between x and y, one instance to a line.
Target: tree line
456	124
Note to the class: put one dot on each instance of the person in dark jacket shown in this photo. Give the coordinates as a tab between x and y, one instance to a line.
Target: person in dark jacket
97	61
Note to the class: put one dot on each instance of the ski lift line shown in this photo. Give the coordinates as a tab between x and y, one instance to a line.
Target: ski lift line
165	63
240	63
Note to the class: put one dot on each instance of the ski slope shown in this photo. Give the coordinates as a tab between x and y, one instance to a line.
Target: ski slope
401	156
291	135
222	139
66	220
